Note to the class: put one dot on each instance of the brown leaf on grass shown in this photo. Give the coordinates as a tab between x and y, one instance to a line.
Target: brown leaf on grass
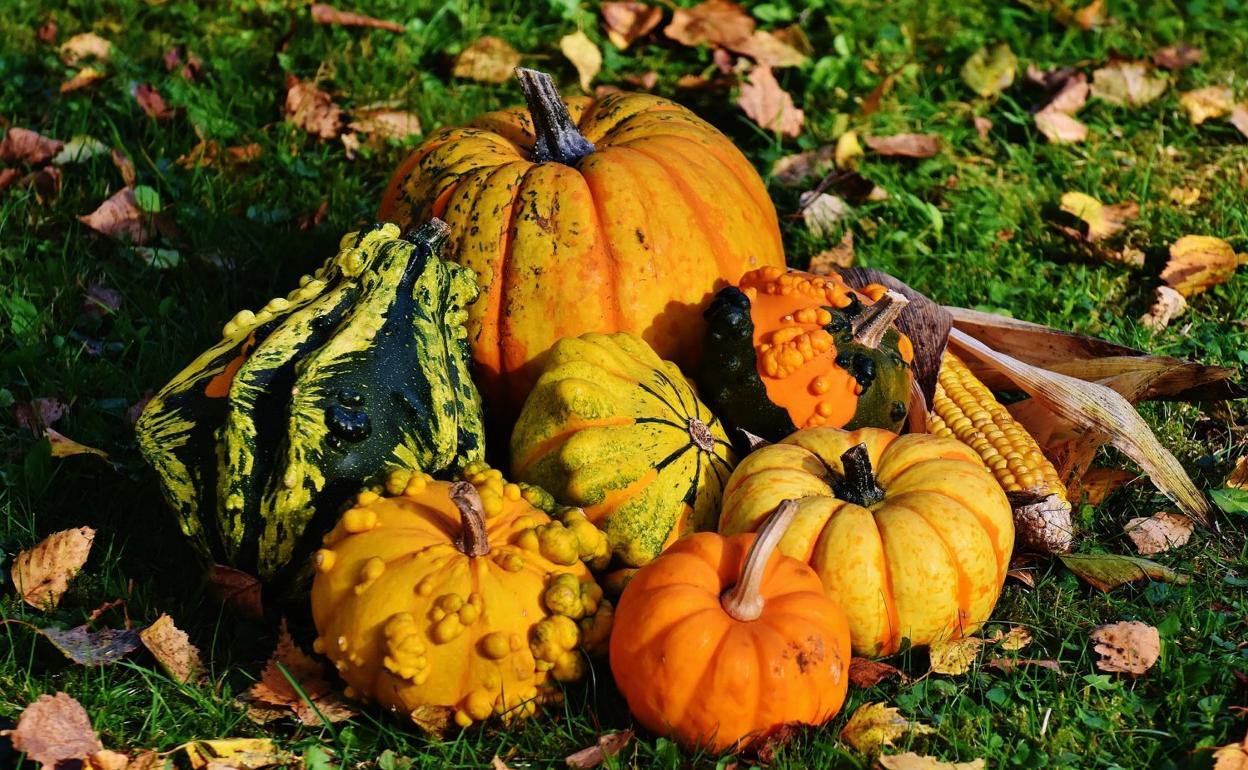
151	102
86	45
125	167
120	218
1013	664
608	745
792	170
244	153
237	590
1158	533
323	13
81	79
874	725
1106	571
822	212
350	143
767	104
1177	57
488	60
1090	16
1205	103
87	647
1098	483
1239	477
37	415
628	21
1199	262
1026	577
1232	756
954	656
48	31
982	126
22	145
8	176
1239	118
275	692
768	50
1128	83
312	109
172	649
111	760
383	124
1016	638
905	145
990	71
63	446
55	731
584	55
1129	647
1056	119
912	761
1060	128
1168	304
717	22
866	673
42	574
836	258
1102	220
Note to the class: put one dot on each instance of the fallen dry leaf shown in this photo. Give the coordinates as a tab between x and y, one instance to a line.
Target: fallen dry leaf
351	143
1107	571
822	212
79	149
836	258
717	22
848	150
38	414
584	55
905	145
1016	638
1168	304
865	673
100	300
172	649
627	21
607	746
1239	118
874	725
1177	57
1129	647
912	761
48	31
125	167
81	79
111	760
1059	127
86	45
488	60
311	109
42	573
1098	483
274	691
1102	220
1159	533
87	647
151	102
767	104
1128	83
234	754
646	81
1233	756
982	126
1205	103
1184	196
990	71
1056	120
768	50
55	731
21	145
1239	477
1198	262
63	446
953	657
244	153
237	590
8	176
327	14
383	124
120	218
1090	16
1013	664
1024	576
792	170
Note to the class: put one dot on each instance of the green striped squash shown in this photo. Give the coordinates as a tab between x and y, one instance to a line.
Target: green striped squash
361	369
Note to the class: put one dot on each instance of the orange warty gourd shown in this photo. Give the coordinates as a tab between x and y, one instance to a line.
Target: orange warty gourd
719	641
623	213
915	549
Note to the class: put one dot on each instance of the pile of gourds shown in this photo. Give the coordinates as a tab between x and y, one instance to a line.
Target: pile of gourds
575	263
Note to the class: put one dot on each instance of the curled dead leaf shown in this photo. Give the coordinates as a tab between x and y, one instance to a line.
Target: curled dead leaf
1106	571
62	446
1159	533
55	731
234	754
172	649
86	45
865	673
151	102
1168	304
584	55
1128	83
311	109
488	60
905	145
120	218
1013	664
822	212
21	145
81	79
42	573
717	22
769	105
323	13
1102	220
628	21
1199	262
1129	647
237	590
1205	103
874	725
1059	127
607	745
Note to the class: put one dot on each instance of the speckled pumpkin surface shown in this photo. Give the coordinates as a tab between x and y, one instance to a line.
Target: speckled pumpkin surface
363	367
454	602
635	236
924	559
613	429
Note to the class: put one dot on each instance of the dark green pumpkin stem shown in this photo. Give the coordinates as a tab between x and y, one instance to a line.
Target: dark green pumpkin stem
858	485
472	540
432	234
558	138
874	322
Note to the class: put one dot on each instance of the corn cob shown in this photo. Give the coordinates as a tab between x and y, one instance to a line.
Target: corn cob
964	409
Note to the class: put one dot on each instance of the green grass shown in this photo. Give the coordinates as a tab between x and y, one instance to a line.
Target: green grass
939	230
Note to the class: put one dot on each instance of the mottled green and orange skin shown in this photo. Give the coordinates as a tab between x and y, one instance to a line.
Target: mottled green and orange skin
926	563
636	237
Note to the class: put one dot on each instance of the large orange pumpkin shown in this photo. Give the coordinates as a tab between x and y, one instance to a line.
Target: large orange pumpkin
720	640
624	213
912	534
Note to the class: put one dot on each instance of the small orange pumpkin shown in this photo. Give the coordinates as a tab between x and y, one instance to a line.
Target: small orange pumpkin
717	642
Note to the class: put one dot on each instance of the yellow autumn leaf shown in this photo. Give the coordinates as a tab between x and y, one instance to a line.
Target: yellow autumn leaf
489	60
874	725
584	55
912	761
1198	262
1205	103
954	656
1102	220
238	753
848	150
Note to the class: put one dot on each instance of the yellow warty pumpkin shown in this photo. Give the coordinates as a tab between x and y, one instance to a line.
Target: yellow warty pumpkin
453	602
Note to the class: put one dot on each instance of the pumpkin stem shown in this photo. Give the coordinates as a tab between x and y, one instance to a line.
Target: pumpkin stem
432	234
701	435
743	601
472	540
858	485
558	138
753	441
870	327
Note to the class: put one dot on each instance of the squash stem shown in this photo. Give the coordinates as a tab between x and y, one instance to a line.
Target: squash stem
472	540
431	234
858	484
701	435
744	601
558	138
874	323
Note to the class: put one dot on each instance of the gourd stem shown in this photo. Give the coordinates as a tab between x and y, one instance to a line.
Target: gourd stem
701	435
876	320
472	540
432	234
858	483
558	138
743	601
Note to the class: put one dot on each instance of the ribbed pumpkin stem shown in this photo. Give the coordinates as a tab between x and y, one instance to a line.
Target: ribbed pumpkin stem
472	540
743	601
558	138
876	320
858	485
